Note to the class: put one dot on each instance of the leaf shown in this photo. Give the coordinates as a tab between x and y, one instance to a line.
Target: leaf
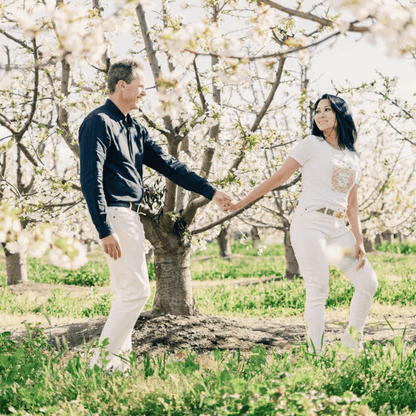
225	375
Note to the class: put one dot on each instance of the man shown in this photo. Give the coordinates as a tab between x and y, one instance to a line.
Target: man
113	149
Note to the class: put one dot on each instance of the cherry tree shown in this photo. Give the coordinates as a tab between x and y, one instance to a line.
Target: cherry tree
387	190
266	37
36	182
386	146
223	72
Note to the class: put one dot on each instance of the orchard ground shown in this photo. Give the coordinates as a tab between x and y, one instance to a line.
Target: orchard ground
205	332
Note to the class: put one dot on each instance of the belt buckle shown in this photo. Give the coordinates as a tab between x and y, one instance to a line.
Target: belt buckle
339	214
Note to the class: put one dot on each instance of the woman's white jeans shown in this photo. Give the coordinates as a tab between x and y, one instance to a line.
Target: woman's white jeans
319	239
129	284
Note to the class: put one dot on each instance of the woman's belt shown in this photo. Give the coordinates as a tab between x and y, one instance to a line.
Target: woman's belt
331	212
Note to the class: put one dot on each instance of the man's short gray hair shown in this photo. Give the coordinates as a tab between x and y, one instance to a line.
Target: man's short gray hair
122	70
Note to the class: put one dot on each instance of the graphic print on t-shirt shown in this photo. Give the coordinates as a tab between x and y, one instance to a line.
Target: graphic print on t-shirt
343	176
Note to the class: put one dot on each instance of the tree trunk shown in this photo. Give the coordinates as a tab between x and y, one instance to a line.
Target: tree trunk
292	266
255	237
224	242
368	245
173	278
16	266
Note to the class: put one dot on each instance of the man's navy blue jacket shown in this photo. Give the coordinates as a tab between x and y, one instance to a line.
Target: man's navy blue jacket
113	149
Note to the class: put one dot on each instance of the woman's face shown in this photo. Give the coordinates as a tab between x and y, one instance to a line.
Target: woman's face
325	118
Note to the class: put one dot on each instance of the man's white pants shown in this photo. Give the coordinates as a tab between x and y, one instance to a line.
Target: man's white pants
319	239
129	284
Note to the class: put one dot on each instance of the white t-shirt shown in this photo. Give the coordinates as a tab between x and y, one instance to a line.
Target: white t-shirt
328	174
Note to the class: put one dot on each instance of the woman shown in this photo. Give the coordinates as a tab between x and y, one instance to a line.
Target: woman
330	176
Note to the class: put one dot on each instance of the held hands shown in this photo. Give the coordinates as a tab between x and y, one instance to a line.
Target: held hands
111	246
225	202
235	206
360	254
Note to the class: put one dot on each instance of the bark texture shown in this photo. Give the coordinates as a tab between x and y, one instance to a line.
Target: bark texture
16	265
292	266
224	242
255	237
173	280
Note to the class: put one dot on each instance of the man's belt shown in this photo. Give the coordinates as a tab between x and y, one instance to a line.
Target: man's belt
131	205
331	212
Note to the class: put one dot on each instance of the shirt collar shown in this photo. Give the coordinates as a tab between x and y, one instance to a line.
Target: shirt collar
125	119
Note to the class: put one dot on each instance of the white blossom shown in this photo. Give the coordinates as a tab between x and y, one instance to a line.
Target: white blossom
27	23
211	122
342	26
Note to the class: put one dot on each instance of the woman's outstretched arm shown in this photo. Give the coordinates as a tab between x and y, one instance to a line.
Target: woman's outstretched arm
289	167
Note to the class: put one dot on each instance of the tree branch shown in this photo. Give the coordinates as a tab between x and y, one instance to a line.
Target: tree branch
18	41
263	225
20	133
309	16
271	95
12	187
261	114
214	131
152	124
271	55
57	205
151	55
26	152
209	152
170	195
394	102
380	190
63	118
192	207
6	123
35	163
199	86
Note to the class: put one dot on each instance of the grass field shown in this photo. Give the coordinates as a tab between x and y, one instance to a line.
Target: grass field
37	379
396	274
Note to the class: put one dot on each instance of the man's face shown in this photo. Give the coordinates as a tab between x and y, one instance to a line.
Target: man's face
133	92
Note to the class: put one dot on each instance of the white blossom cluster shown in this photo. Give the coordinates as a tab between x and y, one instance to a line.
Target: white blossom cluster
395	21
77	33
197	37
387	187
69	30
169	94
64	251
10	226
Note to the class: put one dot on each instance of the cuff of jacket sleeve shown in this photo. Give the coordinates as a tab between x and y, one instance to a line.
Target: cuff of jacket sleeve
104	231
209	191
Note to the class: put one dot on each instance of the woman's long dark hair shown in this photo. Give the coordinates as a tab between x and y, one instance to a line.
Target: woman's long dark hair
347	133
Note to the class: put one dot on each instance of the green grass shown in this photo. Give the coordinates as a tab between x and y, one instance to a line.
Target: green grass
386	265
273	299
37	379
287	298
94	273
246	262
58	304
208	265
243	247
406	247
